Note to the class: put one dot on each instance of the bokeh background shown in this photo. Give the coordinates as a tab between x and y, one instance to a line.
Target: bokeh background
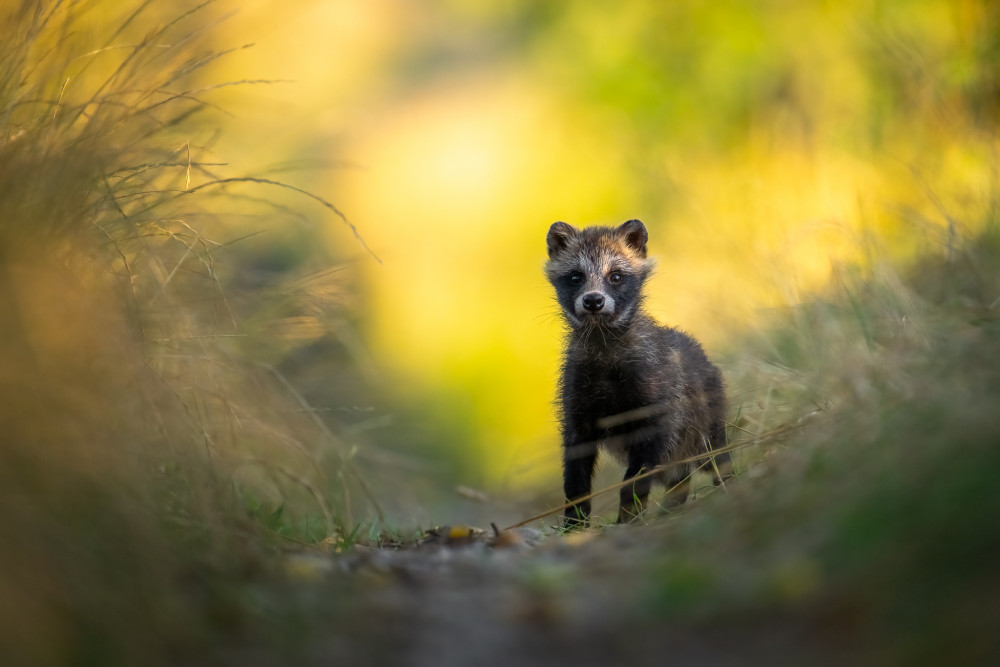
764	143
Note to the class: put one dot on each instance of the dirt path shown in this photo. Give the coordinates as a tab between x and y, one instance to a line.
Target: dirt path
546	599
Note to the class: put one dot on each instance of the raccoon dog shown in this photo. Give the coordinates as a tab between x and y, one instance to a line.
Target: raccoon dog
643	392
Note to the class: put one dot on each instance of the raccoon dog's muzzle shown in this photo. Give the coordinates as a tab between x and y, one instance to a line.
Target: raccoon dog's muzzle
594	303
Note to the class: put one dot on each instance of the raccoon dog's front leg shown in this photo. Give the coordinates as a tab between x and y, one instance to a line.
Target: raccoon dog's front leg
641	458
578	471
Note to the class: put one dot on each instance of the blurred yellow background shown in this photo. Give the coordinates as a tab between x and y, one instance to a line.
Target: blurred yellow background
763	143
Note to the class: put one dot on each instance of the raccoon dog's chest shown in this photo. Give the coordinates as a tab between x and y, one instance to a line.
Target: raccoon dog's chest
612	404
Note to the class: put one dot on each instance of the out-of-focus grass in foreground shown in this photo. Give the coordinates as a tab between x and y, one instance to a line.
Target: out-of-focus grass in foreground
151	448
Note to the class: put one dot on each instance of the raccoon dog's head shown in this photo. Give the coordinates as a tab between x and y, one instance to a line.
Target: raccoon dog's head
598	272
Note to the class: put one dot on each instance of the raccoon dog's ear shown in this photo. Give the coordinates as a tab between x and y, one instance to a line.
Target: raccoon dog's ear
635	235
559	235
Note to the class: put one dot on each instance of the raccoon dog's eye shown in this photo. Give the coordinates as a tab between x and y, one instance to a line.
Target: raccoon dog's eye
615	278
576	278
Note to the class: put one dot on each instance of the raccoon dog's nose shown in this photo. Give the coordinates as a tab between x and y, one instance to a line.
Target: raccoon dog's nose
593	301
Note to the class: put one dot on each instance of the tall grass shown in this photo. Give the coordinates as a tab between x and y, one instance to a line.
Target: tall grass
863	524
148	436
